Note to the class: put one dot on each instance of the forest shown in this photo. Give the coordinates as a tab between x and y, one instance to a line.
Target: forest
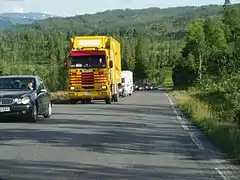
151	41
206	75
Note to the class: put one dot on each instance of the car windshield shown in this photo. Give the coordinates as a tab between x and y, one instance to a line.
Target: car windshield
87	62
17	83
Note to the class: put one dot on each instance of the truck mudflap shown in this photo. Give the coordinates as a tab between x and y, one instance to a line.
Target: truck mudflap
94	95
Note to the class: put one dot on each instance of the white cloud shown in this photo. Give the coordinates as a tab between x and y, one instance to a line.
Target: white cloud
18	9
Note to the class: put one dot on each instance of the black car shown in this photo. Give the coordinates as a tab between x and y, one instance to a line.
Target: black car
24	96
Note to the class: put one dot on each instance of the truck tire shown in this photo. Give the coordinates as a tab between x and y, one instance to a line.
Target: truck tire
108	101
83	101
73	101
88	101
115	97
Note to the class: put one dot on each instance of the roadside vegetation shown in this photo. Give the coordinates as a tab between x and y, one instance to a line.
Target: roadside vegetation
60	97
206	77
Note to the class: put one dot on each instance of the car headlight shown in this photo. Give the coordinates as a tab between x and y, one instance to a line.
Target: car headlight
24	100
104	87
72	88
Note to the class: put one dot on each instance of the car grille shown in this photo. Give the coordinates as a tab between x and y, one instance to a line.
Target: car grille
6	101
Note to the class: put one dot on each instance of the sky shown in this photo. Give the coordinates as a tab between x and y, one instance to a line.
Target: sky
76	7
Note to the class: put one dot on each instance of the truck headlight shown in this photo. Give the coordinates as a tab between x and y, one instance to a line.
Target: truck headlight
24	100
104	87
72	88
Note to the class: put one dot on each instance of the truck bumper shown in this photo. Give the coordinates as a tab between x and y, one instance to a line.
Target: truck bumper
94	95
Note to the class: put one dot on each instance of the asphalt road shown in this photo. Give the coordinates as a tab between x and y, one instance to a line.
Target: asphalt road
141	137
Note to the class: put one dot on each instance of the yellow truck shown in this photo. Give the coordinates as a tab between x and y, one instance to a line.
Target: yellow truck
94	69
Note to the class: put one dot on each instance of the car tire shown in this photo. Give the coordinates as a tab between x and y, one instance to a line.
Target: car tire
33	115
49	111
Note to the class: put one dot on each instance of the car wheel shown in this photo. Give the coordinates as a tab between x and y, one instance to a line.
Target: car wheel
32	117
49	111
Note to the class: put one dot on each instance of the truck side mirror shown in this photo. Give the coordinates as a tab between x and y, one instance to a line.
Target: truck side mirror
65	63
110	64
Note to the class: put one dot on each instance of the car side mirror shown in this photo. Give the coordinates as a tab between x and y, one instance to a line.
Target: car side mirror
42	91
110	64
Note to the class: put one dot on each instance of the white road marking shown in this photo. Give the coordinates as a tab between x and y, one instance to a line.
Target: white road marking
195	140
221	173
174	110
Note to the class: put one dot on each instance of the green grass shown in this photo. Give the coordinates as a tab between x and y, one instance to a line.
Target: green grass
168	82
60	97
203	114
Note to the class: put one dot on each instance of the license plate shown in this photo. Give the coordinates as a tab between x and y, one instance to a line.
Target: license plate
87	70
87	93
4	109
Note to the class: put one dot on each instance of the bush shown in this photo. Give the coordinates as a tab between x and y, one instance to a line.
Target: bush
60	97
184	74
203	114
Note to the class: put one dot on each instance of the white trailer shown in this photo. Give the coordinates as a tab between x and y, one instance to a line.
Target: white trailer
127	82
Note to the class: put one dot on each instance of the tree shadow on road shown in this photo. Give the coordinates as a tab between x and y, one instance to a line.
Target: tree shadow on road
163	110
28	170
110	138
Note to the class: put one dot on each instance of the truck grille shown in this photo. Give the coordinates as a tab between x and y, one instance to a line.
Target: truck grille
87	78
6	101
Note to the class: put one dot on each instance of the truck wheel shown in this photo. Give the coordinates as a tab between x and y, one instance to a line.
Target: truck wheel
108	101
83	101
88	101
115	98
73	101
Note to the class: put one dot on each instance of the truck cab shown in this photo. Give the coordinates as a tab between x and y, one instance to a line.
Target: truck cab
93	68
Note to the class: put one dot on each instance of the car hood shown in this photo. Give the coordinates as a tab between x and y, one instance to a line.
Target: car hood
13	94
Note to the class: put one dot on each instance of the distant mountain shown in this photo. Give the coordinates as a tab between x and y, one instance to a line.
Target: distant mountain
8	19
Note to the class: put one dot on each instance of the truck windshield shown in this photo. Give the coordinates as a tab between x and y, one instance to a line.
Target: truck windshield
87	62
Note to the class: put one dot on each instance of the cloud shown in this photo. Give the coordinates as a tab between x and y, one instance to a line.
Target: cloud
18	9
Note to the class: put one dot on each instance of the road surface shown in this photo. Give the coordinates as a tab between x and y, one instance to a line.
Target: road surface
141	137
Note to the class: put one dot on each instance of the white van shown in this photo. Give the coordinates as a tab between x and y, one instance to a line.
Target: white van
127	82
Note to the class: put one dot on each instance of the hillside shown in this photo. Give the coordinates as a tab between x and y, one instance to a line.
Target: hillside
117	19
8	19
157	33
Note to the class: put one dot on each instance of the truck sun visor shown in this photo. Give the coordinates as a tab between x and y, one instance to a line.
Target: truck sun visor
86	53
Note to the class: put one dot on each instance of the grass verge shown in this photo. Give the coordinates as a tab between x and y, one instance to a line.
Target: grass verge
226	135
60	97
168	78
